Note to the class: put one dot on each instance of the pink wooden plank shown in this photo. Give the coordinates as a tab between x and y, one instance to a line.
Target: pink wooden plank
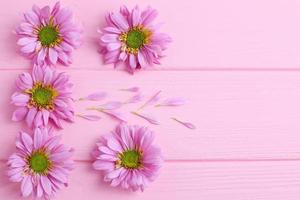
239	115
209	181
207	34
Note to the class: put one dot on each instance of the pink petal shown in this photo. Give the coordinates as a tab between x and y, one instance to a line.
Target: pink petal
30	116
119	21
58	175
48	74
173	102
19	114
152	100
109	38
136	98
89	117
26	141
39	190
186	124
141	59
41	56
26	186
38	138
45	116
131	89
117	115
114	174
123	56
20	99
148	16
147	117
28	48
38	120
37	73
111	105
97	96
53	55
136	16
112	30
132	61
46	184
26	40
113	46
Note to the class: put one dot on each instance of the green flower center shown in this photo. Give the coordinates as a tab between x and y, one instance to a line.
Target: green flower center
48	35
135	39
39	162
131	159
43	96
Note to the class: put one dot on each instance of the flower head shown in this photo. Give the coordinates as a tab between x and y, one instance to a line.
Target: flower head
131	37
43	96
128	158
41	164
48	35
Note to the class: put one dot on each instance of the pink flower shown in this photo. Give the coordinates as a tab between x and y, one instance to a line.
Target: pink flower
131	37
41	164
43	96
128	158
48	35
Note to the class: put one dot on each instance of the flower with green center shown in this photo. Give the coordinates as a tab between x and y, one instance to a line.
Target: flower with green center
39	162
42	96
131	38
127	157
49	36
130	159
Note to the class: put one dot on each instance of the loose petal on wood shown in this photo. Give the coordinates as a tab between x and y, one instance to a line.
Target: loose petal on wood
186	124
89	117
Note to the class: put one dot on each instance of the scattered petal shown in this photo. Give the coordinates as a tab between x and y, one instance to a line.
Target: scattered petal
186	124
152	100
172	102
147	117
136	98
89	117
112	105
116	115
97	96
132	89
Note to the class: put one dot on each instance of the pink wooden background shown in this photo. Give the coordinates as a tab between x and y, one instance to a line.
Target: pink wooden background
238	64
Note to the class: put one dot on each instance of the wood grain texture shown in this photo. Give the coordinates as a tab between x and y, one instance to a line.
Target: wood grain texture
237	64
209	181
239	115
212	34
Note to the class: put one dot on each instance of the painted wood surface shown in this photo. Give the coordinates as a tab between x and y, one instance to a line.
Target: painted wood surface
236	62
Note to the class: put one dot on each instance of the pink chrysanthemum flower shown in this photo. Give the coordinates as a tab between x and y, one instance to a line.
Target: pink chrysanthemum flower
48	35
131	37
43	96
128	158
41	164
